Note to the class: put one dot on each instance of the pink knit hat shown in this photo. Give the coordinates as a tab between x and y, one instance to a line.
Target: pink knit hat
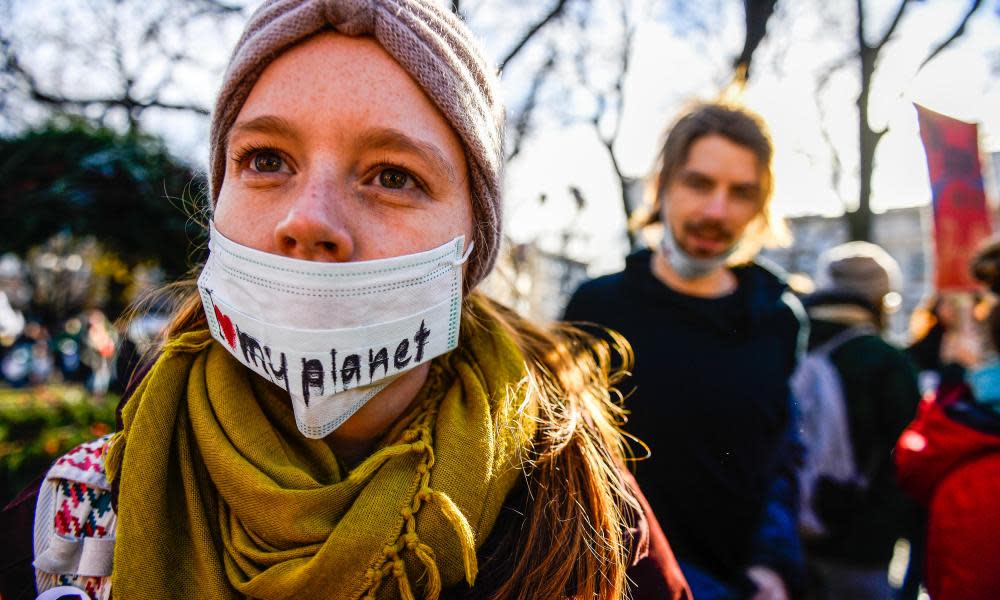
431	44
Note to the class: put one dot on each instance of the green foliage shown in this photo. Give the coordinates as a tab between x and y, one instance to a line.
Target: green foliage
38	425
125	190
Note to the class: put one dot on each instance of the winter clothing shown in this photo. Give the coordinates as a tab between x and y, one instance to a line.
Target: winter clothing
431	44
338	546
75	547
949	460
709	397
653	575
240	524
881	396
859	268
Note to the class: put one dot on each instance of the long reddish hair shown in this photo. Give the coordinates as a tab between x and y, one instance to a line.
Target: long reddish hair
574	539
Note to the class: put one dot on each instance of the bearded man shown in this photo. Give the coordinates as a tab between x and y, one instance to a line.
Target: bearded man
716	336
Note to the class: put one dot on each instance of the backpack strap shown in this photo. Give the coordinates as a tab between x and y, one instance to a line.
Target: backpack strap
867	473
74	535
842	337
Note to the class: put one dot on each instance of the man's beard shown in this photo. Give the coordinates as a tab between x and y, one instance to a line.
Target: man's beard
709	229
690	265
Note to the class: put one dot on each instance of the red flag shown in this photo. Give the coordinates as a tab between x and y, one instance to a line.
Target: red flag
961	218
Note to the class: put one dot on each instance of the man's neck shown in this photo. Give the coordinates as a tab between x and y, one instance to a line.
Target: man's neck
718	282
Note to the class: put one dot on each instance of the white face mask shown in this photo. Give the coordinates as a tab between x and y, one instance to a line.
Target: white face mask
332	334
687	266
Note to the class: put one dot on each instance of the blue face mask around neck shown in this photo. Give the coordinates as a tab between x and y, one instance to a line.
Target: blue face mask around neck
690	267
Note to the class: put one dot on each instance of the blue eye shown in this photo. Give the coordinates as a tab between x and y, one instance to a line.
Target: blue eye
394	179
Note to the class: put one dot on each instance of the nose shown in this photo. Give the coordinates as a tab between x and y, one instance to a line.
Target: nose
715	203
314	228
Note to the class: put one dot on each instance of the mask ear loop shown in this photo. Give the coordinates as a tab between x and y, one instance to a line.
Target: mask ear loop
465	256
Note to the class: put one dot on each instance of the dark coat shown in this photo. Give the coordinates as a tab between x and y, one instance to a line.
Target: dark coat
881	396
709	396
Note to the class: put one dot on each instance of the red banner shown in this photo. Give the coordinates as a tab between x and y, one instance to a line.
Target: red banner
961	218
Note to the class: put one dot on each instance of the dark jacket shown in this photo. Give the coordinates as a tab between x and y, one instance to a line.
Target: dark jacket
926	352
880	391
949	460
709	396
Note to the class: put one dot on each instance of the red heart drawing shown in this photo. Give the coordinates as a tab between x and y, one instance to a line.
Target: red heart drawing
227	327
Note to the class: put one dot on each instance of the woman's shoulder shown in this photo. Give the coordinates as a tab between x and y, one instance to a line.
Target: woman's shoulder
71	529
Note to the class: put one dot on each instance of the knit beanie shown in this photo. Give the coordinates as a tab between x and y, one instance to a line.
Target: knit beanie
859	269
431	44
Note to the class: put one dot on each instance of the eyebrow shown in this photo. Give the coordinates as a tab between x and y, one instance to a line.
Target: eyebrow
693	174
387	138
750	188
267	124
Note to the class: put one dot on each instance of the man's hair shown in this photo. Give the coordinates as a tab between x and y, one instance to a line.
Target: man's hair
739	126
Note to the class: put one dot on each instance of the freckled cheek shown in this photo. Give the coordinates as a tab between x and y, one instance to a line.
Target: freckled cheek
247	220
407	231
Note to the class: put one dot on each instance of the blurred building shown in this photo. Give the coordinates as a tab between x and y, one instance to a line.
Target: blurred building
903	232
535	282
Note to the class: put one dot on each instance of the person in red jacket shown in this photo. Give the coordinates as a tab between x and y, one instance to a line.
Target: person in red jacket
949	460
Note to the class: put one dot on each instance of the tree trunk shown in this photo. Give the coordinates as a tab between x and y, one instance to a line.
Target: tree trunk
633	238
859	219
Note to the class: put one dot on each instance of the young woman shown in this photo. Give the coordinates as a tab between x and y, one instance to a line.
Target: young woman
335	412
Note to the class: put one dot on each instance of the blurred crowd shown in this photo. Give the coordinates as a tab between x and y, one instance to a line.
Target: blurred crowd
79	349
84	347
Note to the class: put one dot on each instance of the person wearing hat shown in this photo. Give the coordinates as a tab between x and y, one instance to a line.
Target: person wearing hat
856	287
334	411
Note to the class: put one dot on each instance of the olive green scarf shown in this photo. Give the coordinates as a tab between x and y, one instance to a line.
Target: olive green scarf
222	497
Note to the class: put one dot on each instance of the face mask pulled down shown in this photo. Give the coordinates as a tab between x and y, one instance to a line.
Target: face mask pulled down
690	267
333	335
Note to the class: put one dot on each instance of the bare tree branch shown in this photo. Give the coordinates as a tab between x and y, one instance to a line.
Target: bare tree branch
553	13
836	167
140	69
756	15
957	33
830	70
127	103
859	32
615	97
619	88
522	122
35	91
892	26
217	7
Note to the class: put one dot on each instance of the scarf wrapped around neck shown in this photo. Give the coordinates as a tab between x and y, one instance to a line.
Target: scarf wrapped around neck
221	496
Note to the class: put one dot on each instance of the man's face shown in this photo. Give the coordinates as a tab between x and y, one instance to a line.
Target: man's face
712	198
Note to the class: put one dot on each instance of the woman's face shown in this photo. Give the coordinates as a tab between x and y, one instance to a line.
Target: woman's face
337	155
